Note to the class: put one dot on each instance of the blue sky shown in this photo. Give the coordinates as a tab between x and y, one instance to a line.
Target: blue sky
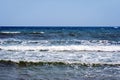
60	12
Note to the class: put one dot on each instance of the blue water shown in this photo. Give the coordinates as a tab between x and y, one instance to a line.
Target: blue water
66	53
81	33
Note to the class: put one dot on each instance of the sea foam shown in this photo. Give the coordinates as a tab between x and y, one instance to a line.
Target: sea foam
63	48
7	32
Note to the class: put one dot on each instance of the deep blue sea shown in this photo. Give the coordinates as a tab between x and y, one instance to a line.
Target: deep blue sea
59	53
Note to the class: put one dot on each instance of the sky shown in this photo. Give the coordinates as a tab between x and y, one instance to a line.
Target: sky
59	12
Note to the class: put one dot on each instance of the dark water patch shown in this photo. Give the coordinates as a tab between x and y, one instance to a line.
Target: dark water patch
7	63
6	35
30	50
35	42
12	50
43	50
72	34
25	63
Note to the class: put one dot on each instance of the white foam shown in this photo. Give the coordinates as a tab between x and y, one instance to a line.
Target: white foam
63	48
67	57
7	32
39	32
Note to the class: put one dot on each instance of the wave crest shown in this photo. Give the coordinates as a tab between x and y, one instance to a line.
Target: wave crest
25	63
62	48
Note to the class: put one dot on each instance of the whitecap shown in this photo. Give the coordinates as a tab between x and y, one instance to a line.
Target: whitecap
7	32
63	48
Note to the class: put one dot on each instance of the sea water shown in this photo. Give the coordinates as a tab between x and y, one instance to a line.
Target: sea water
59	53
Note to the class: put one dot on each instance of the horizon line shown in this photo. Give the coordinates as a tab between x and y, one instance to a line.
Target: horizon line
55	26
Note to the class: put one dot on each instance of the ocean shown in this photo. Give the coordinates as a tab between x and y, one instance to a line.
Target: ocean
59	53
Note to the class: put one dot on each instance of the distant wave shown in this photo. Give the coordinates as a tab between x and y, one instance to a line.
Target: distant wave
62	48
7	32
16	32
38	32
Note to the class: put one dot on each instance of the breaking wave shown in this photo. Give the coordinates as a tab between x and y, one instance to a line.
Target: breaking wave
25	63
62	48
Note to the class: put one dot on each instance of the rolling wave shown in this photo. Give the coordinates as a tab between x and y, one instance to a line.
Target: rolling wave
62	48
26	63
